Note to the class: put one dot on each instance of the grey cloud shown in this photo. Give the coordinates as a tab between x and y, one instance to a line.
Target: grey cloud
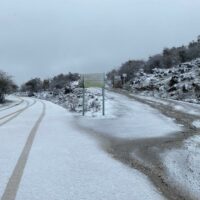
43	38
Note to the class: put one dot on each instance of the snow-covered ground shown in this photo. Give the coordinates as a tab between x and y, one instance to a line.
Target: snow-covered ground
196	123
11	101
15	107
126	118
64	162
190	108
182	163
67	164
182	167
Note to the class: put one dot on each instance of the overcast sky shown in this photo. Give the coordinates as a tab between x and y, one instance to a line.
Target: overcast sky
46	37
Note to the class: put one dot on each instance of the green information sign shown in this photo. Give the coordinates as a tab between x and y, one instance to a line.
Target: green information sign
93	80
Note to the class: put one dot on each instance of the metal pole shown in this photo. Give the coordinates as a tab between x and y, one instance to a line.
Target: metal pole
83	97
103	94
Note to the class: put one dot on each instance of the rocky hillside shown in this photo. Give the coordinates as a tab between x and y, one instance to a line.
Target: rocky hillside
182	82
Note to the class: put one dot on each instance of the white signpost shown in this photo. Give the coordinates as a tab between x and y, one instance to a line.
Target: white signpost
124	76
94	80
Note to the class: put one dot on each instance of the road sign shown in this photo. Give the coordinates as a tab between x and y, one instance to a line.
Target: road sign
93	80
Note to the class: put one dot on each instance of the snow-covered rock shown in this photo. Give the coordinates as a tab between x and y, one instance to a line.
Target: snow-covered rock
182	82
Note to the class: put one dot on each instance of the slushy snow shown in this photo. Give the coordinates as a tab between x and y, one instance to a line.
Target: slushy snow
182	166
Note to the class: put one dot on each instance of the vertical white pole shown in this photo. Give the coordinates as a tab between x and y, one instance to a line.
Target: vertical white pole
83	97
103	95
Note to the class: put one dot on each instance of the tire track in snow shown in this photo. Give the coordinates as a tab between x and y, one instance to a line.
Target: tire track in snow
12	113
15	179
16	113
12	106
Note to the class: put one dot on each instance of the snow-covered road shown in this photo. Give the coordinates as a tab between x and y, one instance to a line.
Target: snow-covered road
44	156
13	135
176	158
11	102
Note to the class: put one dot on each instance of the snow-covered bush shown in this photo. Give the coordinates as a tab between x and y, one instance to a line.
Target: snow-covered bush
182	82
6	85
73	100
